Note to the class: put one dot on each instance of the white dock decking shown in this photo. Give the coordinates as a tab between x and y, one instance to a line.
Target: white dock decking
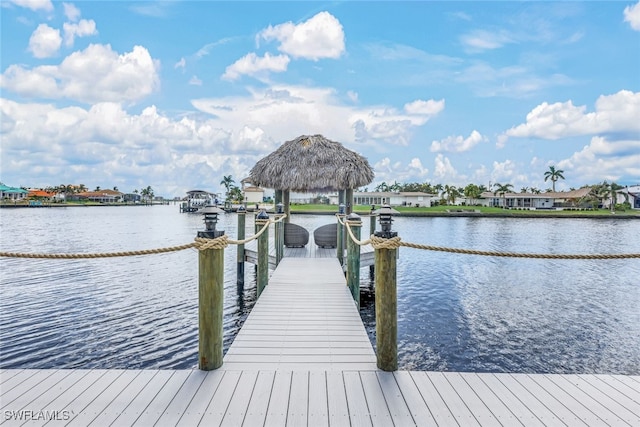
303	359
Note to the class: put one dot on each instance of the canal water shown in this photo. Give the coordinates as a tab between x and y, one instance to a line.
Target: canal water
456	312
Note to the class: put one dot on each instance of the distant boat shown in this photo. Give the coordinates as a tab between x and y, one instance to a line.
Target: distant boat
198	199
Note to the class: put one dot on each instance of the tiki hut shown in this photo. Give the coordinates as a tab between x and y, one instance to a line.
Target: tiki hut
312	163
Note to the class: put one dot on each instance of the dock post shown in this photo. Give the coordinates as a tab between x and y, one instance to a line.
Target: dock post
353	258
263	252
386	297
372	231
210	295
242	218
340	235
279	233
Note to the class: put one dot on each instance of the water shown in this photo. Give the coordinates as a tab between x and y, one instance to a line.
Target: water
456	312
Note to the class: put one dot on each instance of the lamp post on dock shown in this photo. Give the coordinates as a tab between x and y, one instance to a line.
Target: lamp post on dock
386	295
210	295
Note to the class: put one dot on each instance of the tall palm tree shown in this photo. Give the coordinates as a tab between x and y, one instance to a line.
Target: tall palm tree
227	182
553	174
382	187
502	190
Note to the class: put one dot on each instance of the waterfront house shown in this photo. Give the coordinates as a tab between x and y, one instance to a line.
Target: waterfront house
40	194
630	194
99	196
397	198
548	200
13	194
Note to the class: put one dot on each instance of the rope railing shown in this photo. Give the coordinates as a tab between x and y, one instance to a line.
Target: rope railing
200	244
396	242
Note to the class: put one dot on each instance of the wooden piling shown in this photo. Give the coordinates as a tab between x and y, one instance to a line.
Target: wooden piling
386	309
340	242
372	231
210	308
242	217
279	239
263	253
353	258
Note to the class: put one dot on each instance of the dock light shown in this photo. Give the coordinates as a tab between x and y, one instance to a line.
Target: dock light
385	214
262	215
280	208
341	209
210	220
241	209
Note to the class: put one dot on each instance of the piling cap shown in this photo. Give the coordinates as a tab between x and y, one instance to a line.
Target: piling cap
262	215
353	217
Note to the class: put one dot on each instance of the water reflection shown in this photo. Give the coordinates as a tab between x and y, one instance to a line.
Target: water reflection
456	312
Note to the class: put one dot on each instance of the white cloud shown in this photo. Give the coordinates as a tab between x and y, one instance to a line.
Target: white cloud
180	64
322	36
516	81
457	144
480	40
92	75
426	108
253	65
386	171
45	41
105	143
35	5
604	159
313	110
632	16
71	12
353	96
81	29
615	113
444	170
194	80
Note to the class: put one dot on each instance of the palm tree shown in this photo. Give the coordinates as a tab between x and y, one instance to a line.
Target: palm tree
524	189
502	190
553	174
382	187
227	182
450	193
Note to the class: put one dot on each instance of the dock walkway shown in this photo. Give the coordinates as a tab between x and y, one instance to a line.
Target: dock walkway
303	358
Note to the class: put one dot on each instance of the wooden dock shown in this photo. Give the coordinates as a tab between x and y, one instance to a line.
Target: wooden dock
303	358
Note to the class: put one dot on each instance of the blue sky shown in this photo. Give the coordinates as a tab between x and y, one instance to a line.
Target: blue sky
177	94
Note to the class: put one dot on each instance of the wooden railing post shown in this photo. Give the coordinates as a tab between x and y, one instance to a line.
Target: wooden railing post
340	235
279	233
386	297
242	217
353	257
372	231
210	296
263	252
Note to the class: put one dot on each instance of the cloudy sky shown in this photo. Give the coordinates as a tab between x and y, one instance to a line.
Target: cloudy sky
177	94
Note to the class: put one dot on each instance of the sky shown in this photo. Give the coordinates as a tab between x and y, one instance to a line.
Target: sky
178	94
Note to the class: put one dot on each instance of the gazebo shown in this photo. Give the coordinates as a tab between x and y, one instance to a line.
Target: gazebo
312	163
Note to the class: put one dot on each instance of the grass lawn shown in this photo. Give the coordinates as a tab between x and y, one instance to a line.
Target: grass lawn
442	210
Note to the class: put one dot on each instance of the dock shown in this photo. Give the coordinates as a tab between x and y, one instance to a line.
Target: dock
304	358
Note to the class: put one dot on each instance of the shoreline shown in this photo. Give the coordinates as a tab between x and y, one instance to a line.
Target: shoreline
458	214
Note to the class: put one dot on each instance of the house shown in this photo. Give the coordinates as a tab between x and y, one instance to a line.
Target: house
40	194
12	193
253	194
630	194
100	196
401	198
548	200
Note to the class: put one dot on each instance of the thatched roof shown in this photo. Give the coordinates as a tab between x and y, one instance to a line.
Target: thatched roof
312	163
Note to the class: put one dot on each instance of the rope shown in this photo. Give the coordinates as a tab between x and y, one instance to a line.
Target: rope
223	241
396	242
200	244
